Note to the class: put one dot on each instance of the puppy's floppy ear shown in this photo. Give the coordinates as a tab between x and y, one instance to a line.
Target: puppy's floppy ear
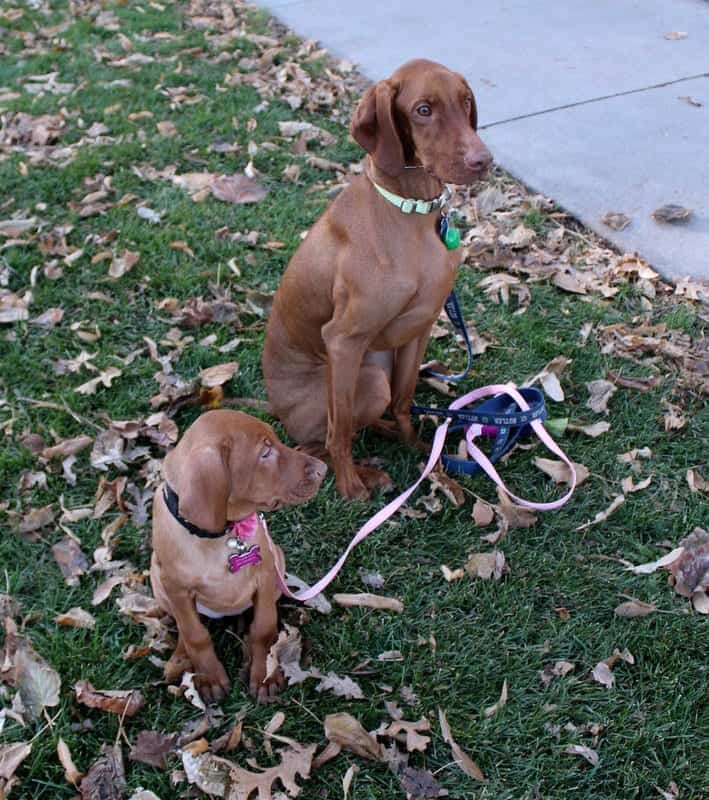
373	127
204	488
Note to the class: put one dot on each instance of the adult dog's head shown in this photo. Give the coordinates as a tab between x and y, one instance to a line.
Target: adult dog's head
425	114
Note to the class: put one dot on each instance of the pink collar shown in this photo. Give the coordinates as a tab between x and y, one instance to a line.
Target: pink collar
245	528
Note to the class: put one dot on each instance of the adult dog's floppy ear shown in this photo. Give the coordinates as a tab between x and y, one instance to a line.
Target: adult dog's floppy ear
473	106
204	487
473	113
373	128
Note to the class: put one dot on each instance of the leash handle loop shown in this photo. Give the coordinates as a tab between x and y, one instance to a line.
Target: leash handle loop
474	430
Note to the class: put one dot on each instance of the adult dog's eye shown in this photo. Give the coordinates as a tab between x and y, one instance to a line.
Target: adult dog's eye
267	448
424	110
468	101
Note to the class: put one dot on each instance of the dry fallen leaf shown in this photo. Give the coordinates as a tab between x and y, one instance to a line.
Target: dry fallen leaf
71	560
347	780
76	618
634	608
461	758
151	747
340	687
189	689
629	487
11	756
71	773
106	378
347	733
602	516
238	189
671	793
696	482
67	447
38	683
125	702
691	101
549	378
593	430
600	392
585	752
218	374
123	264
560	472
490	711
217	776
366	600
514	516
285	654
675	418
690	572
483	513
106	779
672	213
520	237
651	566
415	740
556	670
166	128
452	574
616	220
487	565
602	674
640	384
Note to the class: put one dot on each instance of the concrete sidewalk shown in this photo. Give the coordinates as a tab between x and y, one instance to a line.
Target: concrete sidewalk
584	101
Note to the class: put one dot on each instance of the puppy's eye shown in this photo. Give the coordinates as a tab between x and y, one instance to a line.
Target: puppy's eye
468	102
424	110
267	448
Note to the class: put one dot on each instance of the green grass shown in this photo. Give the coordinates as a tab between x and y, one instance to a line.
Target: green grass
656	725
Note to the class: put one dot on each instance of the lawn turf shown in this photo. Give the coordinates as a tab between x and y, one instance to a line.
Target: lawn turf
459	640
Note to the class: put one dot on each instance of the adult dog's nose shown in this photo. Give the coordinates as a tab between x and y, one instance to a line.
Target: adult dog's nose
478	160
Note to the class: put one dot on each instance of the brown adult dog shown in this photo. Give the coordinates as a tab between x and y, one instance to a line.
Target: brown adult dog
353	313
227	466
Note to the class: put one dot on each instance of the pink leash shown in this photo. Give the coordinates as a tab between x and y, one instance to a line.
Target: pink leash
439	441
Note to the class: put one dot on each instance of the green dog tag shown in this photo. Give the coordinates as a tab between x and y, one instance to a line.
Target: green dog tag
452	238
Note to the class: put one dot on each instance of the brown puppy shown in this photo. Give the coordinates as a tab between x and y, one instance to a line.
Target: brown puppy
226	467
353	313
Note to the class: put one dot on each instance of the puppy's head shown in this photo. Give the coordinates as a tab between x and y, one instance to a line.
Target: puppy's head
228	459
423	115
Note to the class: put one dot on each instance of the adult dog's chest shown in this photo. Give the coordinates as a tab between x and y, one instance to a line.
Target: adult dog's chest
422	279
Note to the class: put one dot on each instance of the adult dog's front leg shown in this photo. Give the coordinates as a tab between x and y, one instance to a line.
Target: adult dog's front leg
406	370
344	359
211	679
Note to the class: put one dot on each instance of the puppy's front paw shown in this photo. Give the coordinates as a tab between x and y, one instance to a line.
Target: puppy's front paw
265	691
213	684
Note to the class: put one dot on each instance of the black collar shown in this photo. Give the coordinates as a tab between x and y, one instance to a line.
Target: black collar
172	501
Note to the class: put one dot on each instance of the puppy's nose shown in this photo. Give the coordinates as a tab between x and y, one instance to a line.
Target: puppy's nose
478	160
315	470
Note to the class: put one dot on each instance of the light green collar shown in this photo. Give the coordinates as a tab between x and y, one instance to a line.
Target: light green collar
412	205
